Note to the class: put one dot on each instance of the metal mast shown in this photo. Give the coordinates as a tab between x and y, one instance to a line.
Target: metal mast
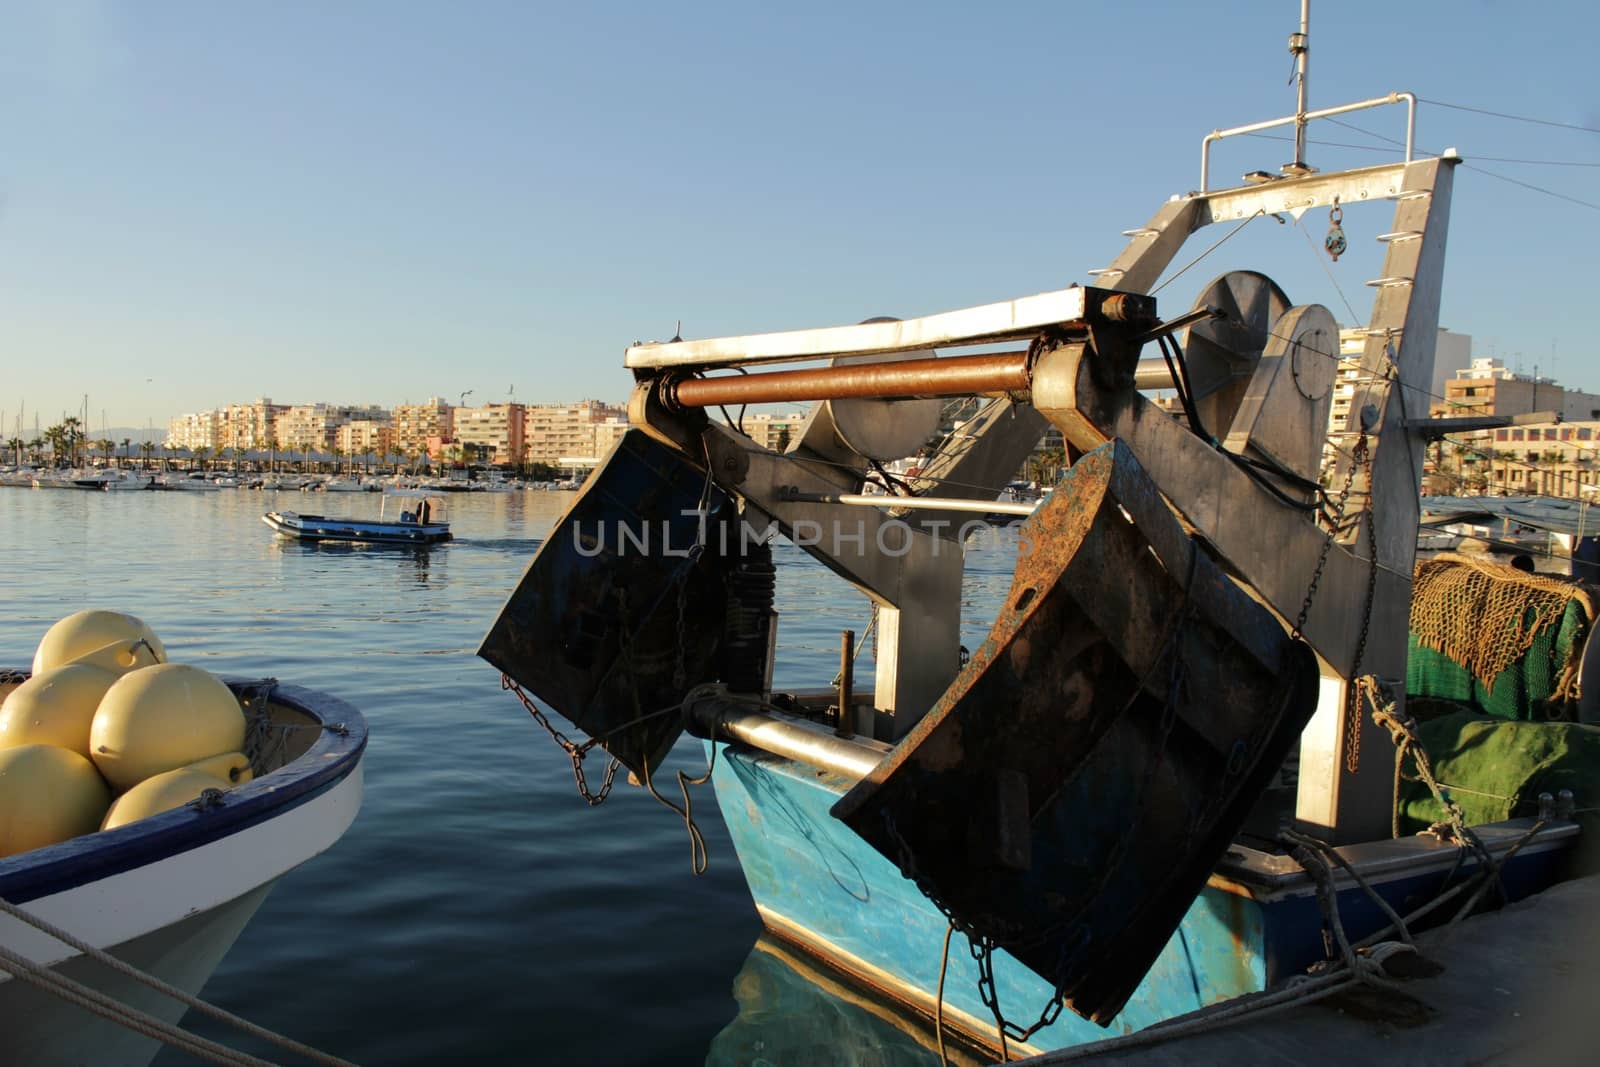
1300	48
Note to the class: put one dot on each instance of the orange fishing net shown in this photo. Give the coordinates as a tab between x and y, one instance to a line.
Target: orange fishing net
1486	616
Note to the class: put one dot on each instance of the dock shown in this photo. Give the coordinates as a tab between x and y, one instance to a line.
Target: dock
1516	987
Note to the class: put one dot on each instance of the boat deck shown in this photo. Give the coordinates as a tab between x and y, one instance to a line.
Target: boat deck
1516	988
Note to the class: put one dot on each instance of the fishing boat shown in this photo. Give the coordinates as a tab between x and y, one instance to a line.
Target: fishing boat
421	522
1171	776
170	893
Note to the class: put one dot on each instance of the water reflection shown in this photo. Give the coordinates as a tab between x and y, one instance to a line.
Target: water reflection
414	562
794	1009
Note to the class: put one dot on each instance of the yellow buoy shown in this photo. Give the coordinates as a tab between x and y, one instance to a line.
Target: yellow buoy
174	789
47	795
86	631
55	708
161	718
120	657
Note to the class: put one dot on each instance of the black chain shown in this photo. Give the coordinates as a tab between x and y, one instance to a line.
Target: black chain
1358	459
577	753
982	945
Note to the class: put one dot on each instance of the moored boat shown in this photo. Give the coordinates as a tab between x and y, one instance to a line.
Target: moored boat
170	893
1174	774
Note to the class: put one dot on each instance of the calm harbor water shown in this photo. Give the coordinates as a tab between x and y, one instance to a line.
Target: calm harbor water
477	911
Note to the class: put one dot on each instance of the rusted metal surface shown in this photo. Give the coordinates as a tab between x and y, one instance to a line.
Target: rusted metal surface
595	627
1000	372
1142	698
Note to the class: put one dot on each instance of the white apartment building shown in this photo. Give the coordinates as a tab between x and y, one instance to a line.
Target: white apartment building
197	430
314	427
558	434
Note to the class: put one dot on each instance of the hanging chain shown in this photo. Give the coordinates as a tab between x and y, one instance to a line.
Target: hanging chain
1352	710
982	945
577	753
1358	459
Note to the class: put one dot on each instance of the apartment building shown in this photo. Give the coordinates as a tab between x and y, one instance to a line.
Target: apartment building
776	432
492	433
415	424
197	430
314	427
249	427
558	434
607	432
1547	459
365	437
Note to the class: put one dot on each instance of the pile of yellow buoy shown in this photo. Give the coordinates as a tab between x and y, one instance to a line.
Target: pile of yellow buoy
107	732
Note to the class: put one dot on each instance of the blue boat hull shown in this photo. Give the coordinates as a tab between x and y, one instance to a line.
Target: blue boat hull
816	883
822	888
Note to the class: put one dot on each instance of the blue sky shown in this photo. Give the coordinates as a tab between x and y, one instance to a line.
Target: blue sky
207	202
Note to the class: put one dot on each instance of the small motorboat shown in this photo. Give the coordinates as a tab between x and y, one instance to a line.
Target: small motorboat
420	523
170	893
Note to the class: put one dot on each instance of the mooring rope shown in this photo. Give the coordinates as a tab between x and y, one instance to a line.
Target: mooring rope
122	1014
132	1017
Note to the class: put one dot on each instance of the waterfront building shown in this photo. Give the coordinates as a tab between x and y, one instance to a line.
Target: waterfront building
607	432
314	427
194	431
252	426
360	438
414	424
563	434
492	433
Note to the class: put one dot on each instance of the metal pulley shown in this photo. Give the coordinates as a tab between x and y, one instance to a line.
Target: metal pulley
1335	242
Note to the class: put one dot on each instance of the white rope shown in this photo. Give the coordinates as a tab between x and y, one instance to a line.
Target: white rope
128	970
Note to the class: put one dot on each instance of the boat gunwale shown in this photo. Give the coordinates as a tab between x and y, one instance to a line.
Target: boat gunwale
332	758
1264	876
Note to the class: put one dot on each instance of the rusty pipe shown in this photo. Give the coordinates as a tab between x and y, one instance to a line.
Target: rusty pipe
997	372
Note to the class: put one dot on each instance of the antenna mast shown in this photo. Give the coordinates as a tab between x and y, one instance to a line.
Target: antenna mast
1300	48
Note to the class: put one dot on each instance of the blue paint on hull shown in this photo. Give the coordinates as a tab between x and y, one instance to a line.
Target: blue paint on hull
817	882
820	885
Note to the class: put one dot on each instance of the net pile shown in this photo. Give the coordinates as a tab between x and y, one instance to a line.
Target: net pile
1484	615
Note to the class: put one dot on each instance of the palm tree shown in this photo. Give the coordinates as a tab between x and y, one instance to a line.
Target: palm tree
127	448
56	437
200	453
15	444
35	446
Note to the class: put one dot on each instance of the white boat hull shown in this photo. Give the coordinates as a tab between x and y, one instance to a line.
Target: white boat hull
168	894
43	1030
